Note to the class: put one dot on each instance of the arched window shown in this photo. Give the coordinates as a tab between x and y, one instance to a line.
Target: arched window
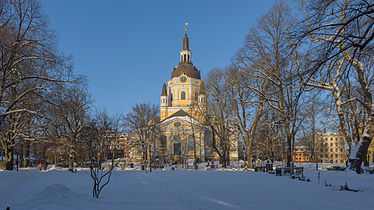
208	138
163	143
177	145
177	149
183	95
176	138
191	142
184	57
188	58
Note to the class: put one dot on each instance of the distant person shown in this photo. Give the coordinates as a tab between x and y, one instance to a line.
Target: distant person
45	166
40	166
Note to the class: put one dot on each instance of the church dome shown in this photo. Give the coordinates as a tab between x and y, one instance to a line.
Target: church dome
187	69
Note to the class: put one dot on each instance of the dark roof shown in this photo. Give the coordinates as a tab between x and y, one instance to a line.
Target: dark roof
202	88
185	42
179	113
163	92
187	69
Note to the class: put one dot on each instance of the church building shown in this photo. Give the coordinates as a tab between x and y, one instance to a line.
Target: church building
182	107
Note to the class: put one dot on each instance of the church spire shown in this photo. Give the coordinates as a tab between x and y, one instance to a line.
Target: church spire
185	39
185	54
163	92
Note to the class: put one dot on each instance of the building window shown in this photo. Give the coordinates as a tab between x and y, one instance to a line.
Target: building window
163	143
177	149
177	138
208	138
191	143
183	95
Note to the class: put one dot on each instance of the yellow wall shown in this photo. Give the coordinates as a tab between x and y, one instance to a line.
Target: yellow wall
370	153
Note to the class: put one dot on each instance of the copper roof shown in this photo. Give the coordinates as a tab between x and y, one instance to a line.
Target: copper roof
179	113
187	69
163	92
185	42
202	88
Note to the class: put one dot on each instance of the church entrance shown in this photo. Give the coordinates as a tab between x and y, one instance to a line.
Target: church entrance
177	149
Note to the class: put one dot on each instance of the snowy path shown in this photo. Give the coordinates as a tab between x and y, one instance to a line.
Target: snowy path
182	190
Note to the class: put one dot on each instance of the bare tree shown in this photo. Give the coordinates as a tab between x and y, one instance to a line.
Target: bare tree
245	101
96	147
220	114
198	109
66	117
271	62
143	120
268	137
29	61
342	31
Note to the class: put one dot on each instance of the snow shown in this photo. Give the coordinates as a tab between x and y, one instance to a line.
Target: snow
184	189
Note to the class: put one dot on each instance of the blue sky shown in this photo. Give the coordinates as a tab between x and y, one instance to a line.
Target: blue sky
128	48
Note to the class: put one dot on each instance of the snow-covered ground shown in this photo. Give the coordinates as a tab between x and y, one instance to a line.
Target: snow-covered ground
185	189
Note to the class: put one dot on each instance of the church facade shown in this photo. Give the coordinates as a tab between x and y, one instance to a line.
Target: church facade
182	108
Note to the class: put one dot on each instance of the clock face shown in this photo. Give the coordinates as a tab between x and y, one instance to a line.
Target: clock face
183	79
177	124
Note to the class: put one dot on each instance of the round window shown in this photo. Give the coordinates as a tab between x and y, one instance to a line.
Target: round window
183	79
177	124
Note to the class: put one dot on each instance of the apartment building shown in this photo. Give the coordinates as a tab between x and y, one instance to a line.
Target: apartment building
331	147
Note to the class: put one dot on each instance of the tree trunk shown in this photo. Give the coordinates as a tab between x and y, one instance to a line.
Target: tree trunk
194	151
249	156
359	151
150	158
9	155
223	160
26	154
55	159
9	159
289	151
71	161
228	158
21	158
